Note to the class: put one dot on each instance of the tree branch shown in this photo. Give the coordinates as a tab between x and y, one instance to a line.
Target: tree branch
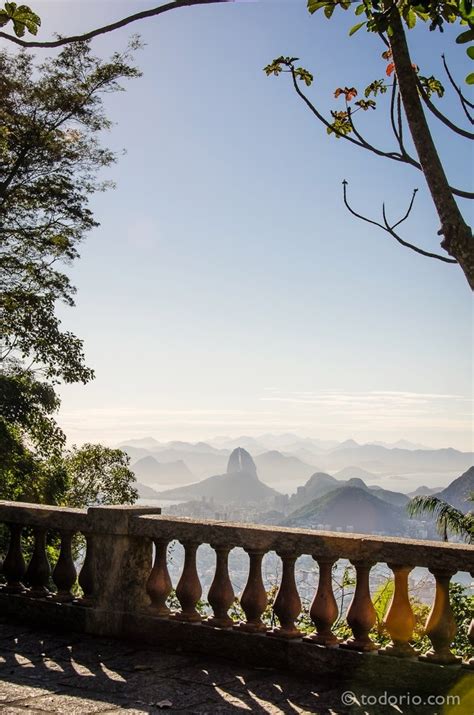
464	101
457	241
439	115
390	229
403	158
112	26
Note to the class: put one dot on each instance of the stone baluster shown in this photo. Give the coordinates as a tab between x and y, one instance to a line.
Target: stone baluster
86	574
159	586
400	620
39	569
64	574
441	626
361	615
221	594
254	598
14	567
189	590
287	604
324	610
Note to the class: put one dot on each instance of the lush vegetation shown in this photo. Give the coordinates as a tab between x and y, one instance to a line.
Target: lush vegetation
51	123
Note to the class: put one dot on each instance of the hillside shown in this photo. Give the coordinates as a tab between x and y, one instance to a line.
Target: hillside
317	486
349	508
423	491
380	459
352	471
320	484
145	492
240	484
274	467
458	491
151	472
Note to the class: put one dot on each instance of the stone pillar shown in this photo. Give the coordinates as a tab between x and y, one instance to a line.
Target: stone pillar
119	568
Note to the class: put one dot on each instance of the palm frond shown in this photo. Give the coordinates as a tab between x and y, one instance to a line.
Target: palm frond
448	518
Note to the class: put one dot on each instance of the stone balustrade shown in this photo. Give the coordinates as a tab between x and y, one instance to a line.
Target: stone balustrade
123	585
326	548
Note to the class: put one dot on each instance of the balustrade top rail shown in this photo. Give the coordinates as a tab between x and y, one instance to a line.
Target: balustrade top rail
320	544
40	515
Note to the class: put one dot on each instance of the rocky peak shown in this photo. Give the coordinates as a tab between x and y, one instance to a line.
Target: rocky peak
241	461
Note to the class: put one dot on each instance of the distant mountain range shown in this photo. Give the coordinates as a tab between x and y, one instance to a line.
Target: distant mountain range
380	459
321	484
151	472
357	510
295	460
458	492
355	506
276	467
341	501
239	484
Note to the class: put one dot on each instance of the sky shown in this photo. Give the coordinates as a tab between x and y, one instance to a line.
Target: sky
227	290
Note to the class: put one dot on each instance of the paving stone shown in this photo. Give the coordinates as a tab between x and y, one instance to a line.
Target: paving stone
38	643
61	703
14	691
68	675
217	674
151	660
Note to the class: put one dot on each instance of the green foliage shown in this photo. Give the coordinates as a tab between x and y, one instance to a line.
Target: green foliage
98	475
341	124
27	405
431	85
357	27
26	477
304	75
378	85
449	520
280	63
21	16
434	12
51	116
462	604
366	104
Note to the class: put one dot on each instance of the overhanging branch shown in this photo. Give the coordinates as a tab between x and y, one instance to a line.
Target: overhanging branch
152	12
390	229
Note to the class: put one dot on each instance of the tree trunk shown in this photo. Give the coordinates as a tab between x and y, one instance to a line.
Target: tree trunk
458	240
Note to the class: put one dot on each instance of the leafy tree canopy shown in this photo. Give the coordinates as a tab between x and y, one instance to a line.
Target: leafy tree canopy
51	117
98	475
51	122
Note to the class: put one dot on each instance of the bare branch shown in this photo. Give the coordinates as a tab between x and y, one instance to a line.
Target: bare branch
390	229
392	114
439	115
408	212
370	147
109	28
464	101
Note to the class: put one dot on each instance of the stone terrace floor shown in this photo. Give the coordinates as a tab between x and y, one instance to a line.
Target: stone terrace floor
44	672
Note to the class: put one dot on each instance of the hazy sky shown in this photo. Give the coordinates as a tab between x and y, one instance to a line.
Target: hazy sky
227	290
